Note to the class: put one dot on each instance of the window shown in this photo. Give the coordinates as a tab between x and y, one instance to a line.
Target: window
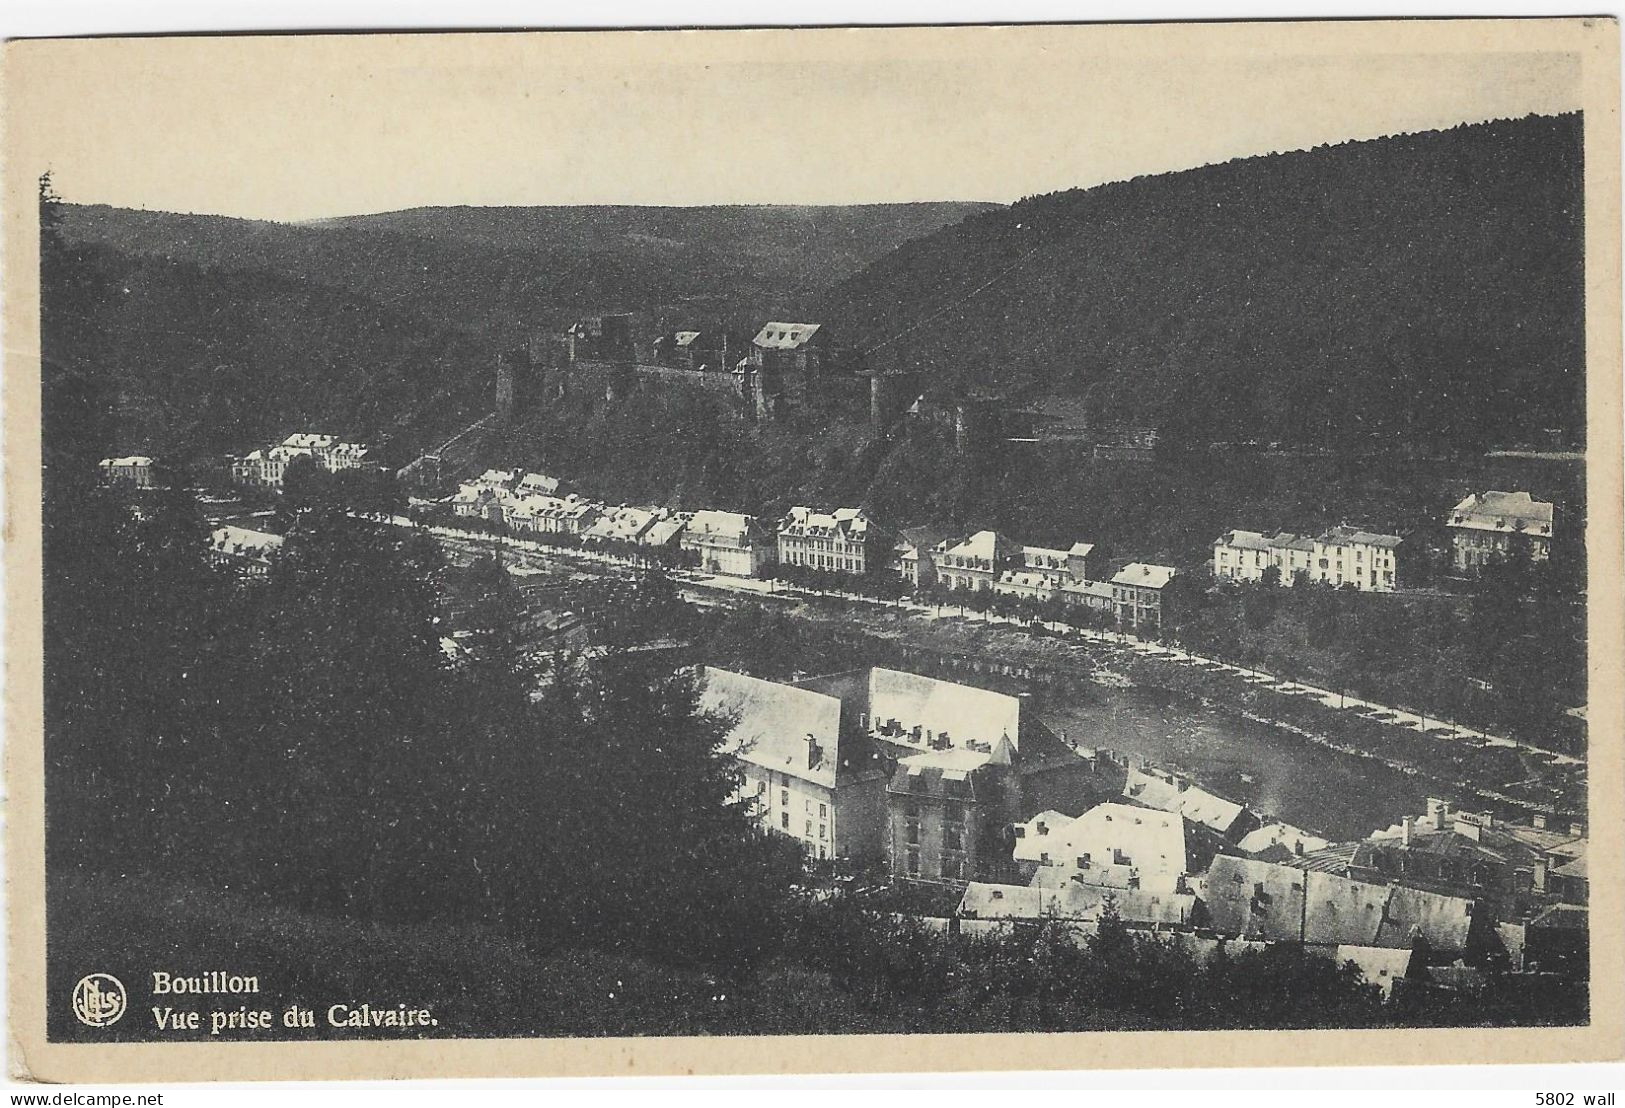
784	798
1044	858
913	863
809	829
809	807
912	832
823	812
952	839
784	821
823	829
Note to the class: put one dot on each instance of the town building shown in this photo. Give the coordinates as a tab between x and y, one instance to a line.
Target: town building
802	774
1168	793
1364	559
133	472
796	350
976	562
914	557
1339	556
1490	527
1241	556
843	541
1075	902
622	524
1116	845
949	813
551	515
490	503
266	468
1297	902
533	484
729	543
1276	841
246	552
1139	591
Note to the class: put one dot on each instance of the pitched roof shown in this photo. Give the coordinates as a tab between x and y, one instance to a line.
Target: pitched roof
1284	835
1243	540
1073	901
1191	801
243	542
774	722
734	525
1151	843
785	336
1353	536
1145	575
984	546
1503	511
962	711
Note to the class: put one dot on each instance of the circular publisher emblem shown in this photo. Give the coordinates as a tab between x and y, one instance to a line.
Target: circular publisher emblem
98	999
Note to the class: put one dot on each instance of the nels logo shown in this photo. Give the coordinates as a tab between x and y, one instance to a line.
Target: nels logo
99	1000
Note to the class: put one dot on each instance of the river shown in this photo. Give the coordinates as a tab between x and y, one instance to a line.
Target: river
1338	796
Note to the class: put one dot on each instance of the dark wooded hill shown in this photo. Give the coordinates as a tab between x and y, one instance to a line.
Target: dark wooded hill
1426	285
503	269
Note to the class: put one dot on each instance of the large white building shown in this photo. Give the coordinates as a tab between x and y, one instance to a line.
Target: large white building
266	468
728	542
797	777
1485	527
136	472
1341	556
1364	559
843	541
1120	846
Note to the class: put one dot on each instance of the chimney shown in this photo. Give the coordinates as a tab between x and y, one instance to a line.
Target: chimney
1405	830
1540	821
863	721
1577	829
814	754
1540	876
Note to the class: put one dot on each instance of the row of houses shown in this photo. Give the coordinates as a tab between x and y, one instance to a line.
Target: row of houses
845	541
1485	528
946	784
266	468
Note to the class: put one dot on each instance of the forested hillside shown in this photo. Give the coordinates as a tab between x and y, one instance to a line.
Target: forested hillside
1428	286
184	362
500	270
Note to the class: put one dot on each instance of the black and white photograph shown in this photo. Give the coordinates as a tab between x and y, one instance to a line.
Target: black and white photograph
825	532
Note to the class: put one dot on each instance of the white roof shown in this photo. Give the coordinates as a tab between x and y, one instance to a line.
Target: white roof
730	524
1191	801
1145	575
1151	842
963	712
244	542
1294	839
307	440
985	546
1503	511
1244	540
122	463
623	524
773	724
785	336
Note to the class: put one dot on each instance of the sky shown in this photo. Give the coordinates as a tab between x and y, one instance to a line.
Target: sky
304	127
